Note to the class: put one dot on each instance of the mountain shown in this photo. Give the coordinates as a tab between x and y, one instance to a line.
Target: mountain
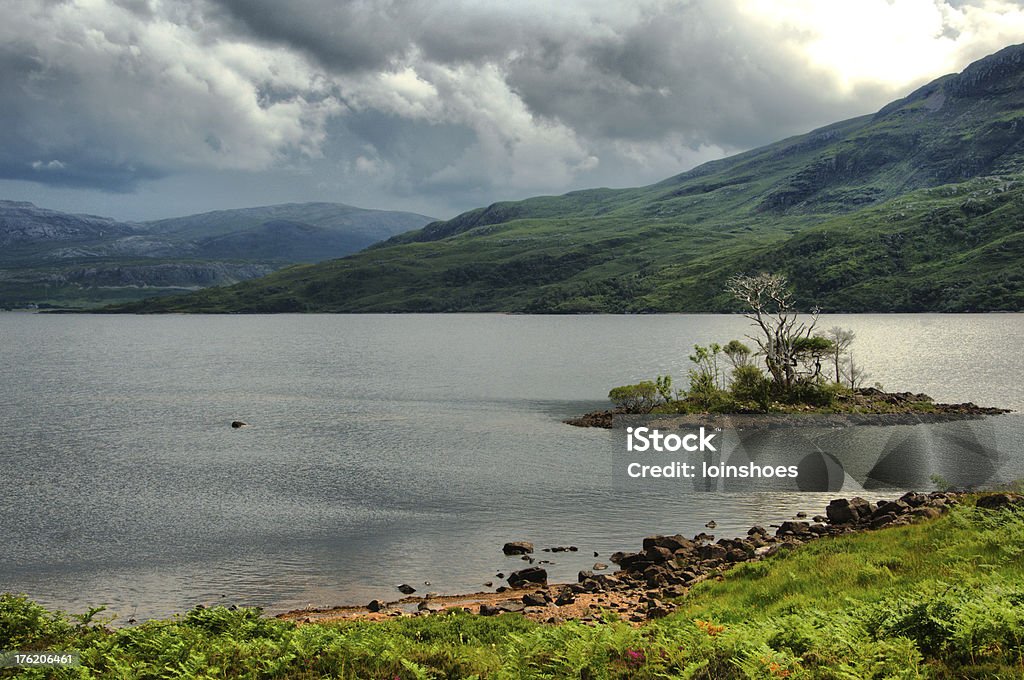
368	225
22	223
52	258
919	206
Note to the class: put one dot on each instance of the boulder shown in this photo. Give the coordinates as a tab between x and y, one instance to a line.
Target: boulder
518	579
657	555
514	606
565	597
537	599
406	589
914	499
632	561
926	512
793	528
517	548
882	520
843	511
711	552
896	508
672	543
375	605
656	576
238	423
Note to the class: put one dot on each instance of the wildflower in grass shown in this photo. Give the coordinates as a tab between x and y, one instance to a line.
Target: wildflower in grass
635	658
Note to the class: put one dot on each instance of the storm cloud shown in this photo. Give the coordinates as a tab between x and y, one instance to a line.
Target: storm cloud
442	105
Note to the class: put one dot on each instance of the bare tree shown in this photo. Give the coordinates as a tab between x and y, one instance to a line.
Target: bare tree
841	339
770	305
854	374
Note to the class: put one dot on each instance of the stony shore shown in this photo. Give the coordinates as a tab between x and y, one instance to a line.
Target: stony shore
646	582
893	407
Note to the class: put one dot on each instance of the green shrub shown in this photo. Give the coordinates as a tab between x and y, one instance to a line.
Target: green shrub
810	394
750	384
25	625
638	398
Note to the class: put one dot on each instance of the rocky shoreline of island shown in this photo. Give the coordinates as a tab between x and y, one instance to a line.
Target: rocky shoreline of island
865	405
646	582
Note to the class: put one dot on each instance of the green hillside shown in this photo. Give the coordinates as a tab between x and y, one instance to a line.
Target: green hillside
367	225
917	207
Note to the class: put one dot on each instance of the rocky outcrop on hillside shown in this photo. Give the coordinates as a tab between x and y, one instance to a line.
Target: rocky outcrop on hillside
159	275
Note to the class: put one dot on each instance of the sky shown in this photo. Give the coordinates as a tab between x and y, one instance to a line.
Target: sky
140	109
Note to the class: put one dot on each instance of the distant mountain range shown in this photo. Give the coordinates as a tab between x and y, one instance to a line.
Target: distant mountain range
50	258
919	206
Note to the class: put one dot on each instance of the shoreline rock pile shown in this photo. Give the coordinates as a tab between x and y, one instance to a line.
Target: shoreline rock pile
668	563
666	566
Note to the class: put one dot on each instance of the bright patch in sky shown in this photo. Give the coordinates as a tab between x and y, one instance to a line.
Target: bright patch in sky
889	41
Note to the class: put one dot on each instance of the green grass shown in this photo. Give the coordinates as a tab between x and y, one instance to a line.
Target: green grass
941	599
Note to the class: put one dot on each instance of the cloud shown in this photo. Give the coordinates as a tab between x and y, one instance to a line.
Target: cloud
120	94
49	165
457	102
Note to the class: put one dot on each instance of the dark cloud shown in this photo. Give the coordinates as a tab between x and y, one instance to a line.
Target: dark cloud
39	138
110	96
446	102
345	36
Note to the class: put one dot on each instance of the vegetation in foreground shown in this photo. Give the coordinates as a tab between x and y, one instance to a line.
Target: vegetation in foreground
939	599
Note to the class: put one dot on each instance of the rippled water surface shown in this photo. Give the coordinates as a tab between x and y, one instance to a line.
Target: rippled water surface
381	449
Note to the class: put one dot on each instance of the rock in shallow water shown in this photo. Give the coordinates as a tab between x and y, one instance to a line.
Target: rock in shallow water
517	548
518	579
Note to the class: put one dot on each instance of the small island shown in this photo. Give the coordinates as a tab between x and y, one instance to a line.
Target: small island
806	371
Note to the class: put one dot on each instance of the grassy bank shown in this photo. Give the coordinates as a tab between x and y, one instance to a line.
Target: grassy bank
940	599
